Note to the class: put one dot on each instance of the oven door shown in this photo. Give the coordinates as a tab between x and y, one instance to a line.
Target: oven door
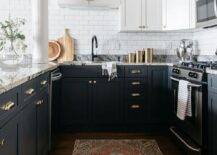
191	127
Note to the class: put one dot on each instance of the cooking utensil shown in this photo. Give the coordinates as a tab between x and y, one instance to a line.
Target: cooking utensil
68	48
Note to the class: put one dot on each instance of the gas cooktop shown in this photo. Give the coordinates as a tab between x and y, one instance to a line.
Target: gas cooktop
194	71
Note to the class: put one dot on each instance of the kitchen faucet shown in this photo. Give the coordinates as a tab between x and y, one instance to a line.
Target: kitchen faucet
94	40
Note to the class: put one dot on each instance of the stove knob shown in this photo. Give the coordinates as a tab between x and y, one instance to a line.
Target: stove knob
195	75
177	71
192	75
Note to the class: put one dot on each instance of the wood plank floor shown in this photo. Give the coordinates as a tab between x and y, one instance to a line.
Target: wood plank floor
64	142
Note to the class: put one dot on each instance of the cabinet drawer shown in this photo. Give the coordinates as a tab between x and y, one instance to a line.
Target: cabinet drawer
81	71
212	83
8	138
135	94
136	71
135	83
43	81
8	103
135	113
29	90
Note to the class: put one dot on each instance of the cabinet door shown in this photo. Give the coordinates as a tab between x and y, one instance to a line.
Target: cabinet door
152	14
106	101
8	138
42	124
27	130
176	14
158	91
131	19
75	101
212	126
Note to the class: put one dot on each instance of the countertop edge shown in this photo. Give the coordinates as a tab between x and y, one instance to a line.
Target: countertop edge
26	78
43	68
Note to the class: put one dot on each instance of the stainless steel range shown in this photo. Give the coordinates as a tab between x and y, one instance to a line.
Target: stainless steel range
191	132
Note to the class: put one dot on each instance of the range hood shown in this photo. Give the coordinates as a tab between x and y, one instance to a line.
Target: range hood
90	4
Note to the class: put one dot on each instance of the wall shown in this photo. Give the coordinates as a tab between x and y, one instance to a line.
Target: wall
206	40
105	24
85	23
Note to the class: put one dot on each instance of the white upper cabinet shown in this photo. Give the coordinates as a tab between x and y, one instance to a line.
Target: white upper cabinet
157	15
178	14
141	15
153	14
131	15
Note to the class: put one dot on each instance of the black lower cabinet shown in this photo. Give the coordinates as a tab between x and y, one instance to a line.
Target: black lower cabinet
42	111
106	101
75	102
158	94
136	101
86	102
24	128
27	130
137	98
212	123
8	138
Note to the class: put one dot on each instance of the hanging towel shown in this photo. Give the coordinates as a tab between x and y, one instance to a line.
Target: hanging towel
110	69
184	106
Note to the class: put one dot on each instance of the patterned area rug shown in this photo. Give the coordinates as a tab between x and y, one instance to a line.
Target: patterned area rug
116	147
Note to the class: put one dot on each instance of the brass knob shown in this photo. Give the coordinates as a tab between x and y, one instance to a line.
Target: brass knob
135	71
2	142
40	102
135	106
30	91
94	82
135	94
90	82
44	82
8	106
136	83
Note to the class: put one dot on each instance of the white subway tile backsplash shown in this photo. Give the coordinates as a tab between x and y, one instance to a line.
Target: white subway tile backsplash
105	24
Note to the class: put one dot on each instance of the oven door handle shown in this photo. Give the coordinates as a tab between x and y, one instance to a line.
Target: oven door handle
190	84
183	141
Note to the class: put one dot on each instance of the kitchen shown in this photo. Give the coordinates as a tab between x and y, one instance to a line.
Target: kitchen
108	77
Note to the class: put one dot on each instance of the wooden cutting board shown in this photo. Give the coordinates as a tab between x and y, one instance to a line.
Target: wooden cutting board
68	47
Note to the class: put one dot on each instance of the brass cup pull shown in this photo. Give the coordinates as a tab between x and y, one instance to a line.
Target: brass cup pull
40	102
135	106
136	83
43	82
135	94
2	142
30	91
136	71
8	106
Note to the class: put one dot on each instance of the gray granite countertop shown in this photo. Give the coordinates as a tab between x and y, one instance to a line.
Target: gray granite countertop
211	71
89	63
11	78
